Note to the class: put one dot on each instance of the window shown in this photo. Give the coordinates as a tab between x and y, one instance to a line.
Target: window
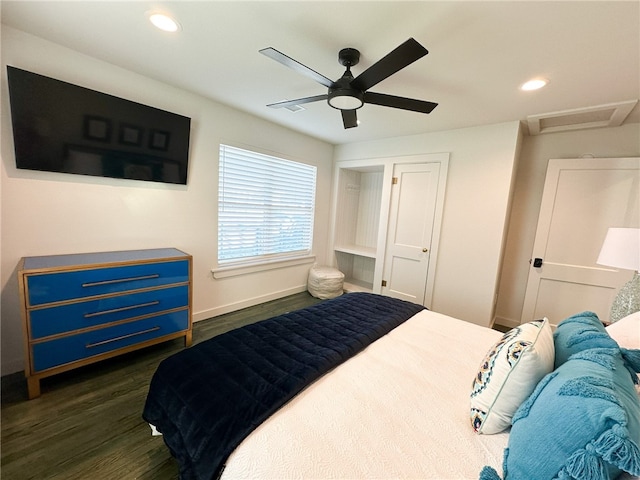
265	207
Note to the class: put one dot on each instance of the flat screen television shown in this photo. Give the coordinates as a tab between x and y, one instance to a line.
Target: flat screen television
61	127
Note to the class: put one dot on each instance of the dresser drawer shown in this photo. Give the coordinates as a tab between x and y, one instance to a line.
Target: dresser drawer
68	349
56	287
75	316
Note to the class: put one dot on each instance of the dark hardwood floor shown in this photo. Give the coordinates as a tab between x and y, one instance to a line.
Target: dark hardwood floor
87	423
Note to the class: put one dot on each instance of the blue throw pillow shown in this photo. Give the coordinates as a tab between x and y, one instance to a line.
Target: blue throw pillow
581	422
577	333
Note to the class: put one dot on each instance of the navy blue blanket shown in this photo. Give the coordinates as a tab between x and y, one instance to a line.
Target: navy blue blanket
206	399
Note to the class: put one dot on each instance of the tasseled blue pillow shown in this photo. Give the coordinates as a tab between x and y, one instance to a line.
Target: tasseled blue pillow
579	332
581	422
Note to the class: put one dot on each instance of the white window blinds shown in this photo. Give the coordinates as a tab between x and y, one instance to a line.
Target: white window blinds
265	206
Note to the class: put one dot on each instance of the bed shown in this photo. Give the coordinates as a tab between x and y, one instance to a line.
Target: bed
367	387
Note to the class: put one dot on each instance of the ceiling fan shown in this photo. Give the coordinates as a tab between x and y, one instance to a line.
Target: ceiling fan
347	94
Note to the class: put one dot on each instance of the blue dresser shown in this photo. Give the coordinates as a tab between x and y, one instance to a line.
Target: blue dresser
81	308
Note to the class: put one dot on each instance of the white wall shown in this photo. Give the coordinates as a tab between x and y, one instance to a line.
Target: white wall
47	213
481	171
621	141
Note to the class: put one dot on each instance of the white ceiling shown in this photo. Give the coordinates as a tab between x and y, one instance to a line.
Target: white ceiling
479	54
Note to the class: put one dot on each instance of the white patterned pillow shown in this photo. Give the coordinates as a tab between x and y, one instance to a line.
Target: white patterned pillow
509	373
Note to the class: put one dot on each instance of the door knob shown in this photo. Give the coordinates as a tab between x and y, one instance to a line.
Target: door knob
425	250
537	262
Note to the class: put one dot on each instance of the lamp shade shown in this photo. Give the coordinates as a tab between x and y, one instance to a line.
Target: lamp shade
621	249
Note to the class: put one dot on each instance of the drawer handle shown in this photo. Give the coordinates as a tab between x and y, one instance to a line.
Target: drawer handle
121	280
120	309
122	337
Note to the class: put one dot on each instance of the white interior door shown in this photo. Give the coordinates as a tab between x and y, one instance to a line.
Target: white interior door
582	198
410	231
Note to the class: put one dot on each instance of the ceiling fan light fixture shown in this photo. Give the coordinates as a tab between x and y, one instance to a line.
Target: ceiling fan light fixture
349	93
345	99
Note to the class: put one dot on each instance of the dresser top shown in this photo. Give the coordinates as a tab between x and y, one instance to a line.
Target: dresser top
57	261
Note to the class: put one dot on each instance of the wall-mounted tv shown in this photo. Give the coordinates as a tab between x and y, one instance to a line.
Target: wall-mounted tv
61	127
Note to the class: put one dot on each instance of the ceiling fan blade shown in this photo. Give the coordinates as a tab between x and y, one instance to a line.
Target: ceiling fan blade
385	100
295	65
298	101
396	60
349	118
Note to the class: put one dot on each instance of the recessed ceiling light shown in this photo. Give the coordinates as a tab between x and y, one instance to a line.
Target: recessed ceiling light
163	21
534	84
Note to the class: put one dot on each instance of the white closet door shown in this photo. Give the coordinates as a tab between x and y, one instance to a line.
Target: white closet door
582	198
410	231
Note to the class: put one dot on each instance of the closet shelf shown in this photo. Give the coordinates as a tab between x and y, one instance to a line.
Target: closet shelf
369	252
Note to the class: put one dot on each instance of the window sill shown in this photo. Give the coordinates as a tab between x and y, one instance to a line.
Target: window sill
235	270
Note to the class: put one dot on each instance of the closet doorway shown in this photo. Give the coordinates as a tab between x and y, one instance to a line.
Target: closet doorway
387	214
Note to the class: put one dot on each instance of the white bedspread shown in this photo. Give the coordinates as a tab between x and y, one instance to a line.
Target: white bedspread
399	409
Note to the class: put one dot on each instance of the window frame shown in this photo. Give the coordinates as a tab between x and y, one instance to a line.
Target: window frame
252	264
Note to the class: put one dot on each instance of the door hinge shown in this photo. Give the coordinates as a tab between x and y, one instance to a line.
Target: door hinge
384	283
394	180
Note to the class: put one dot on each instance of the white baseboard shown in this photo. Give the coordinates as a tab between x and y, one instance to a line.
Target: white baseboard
250	302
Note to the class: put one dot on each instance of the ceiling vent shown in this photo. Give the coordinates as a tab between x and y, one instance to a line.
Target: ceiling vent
295	108
609	115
